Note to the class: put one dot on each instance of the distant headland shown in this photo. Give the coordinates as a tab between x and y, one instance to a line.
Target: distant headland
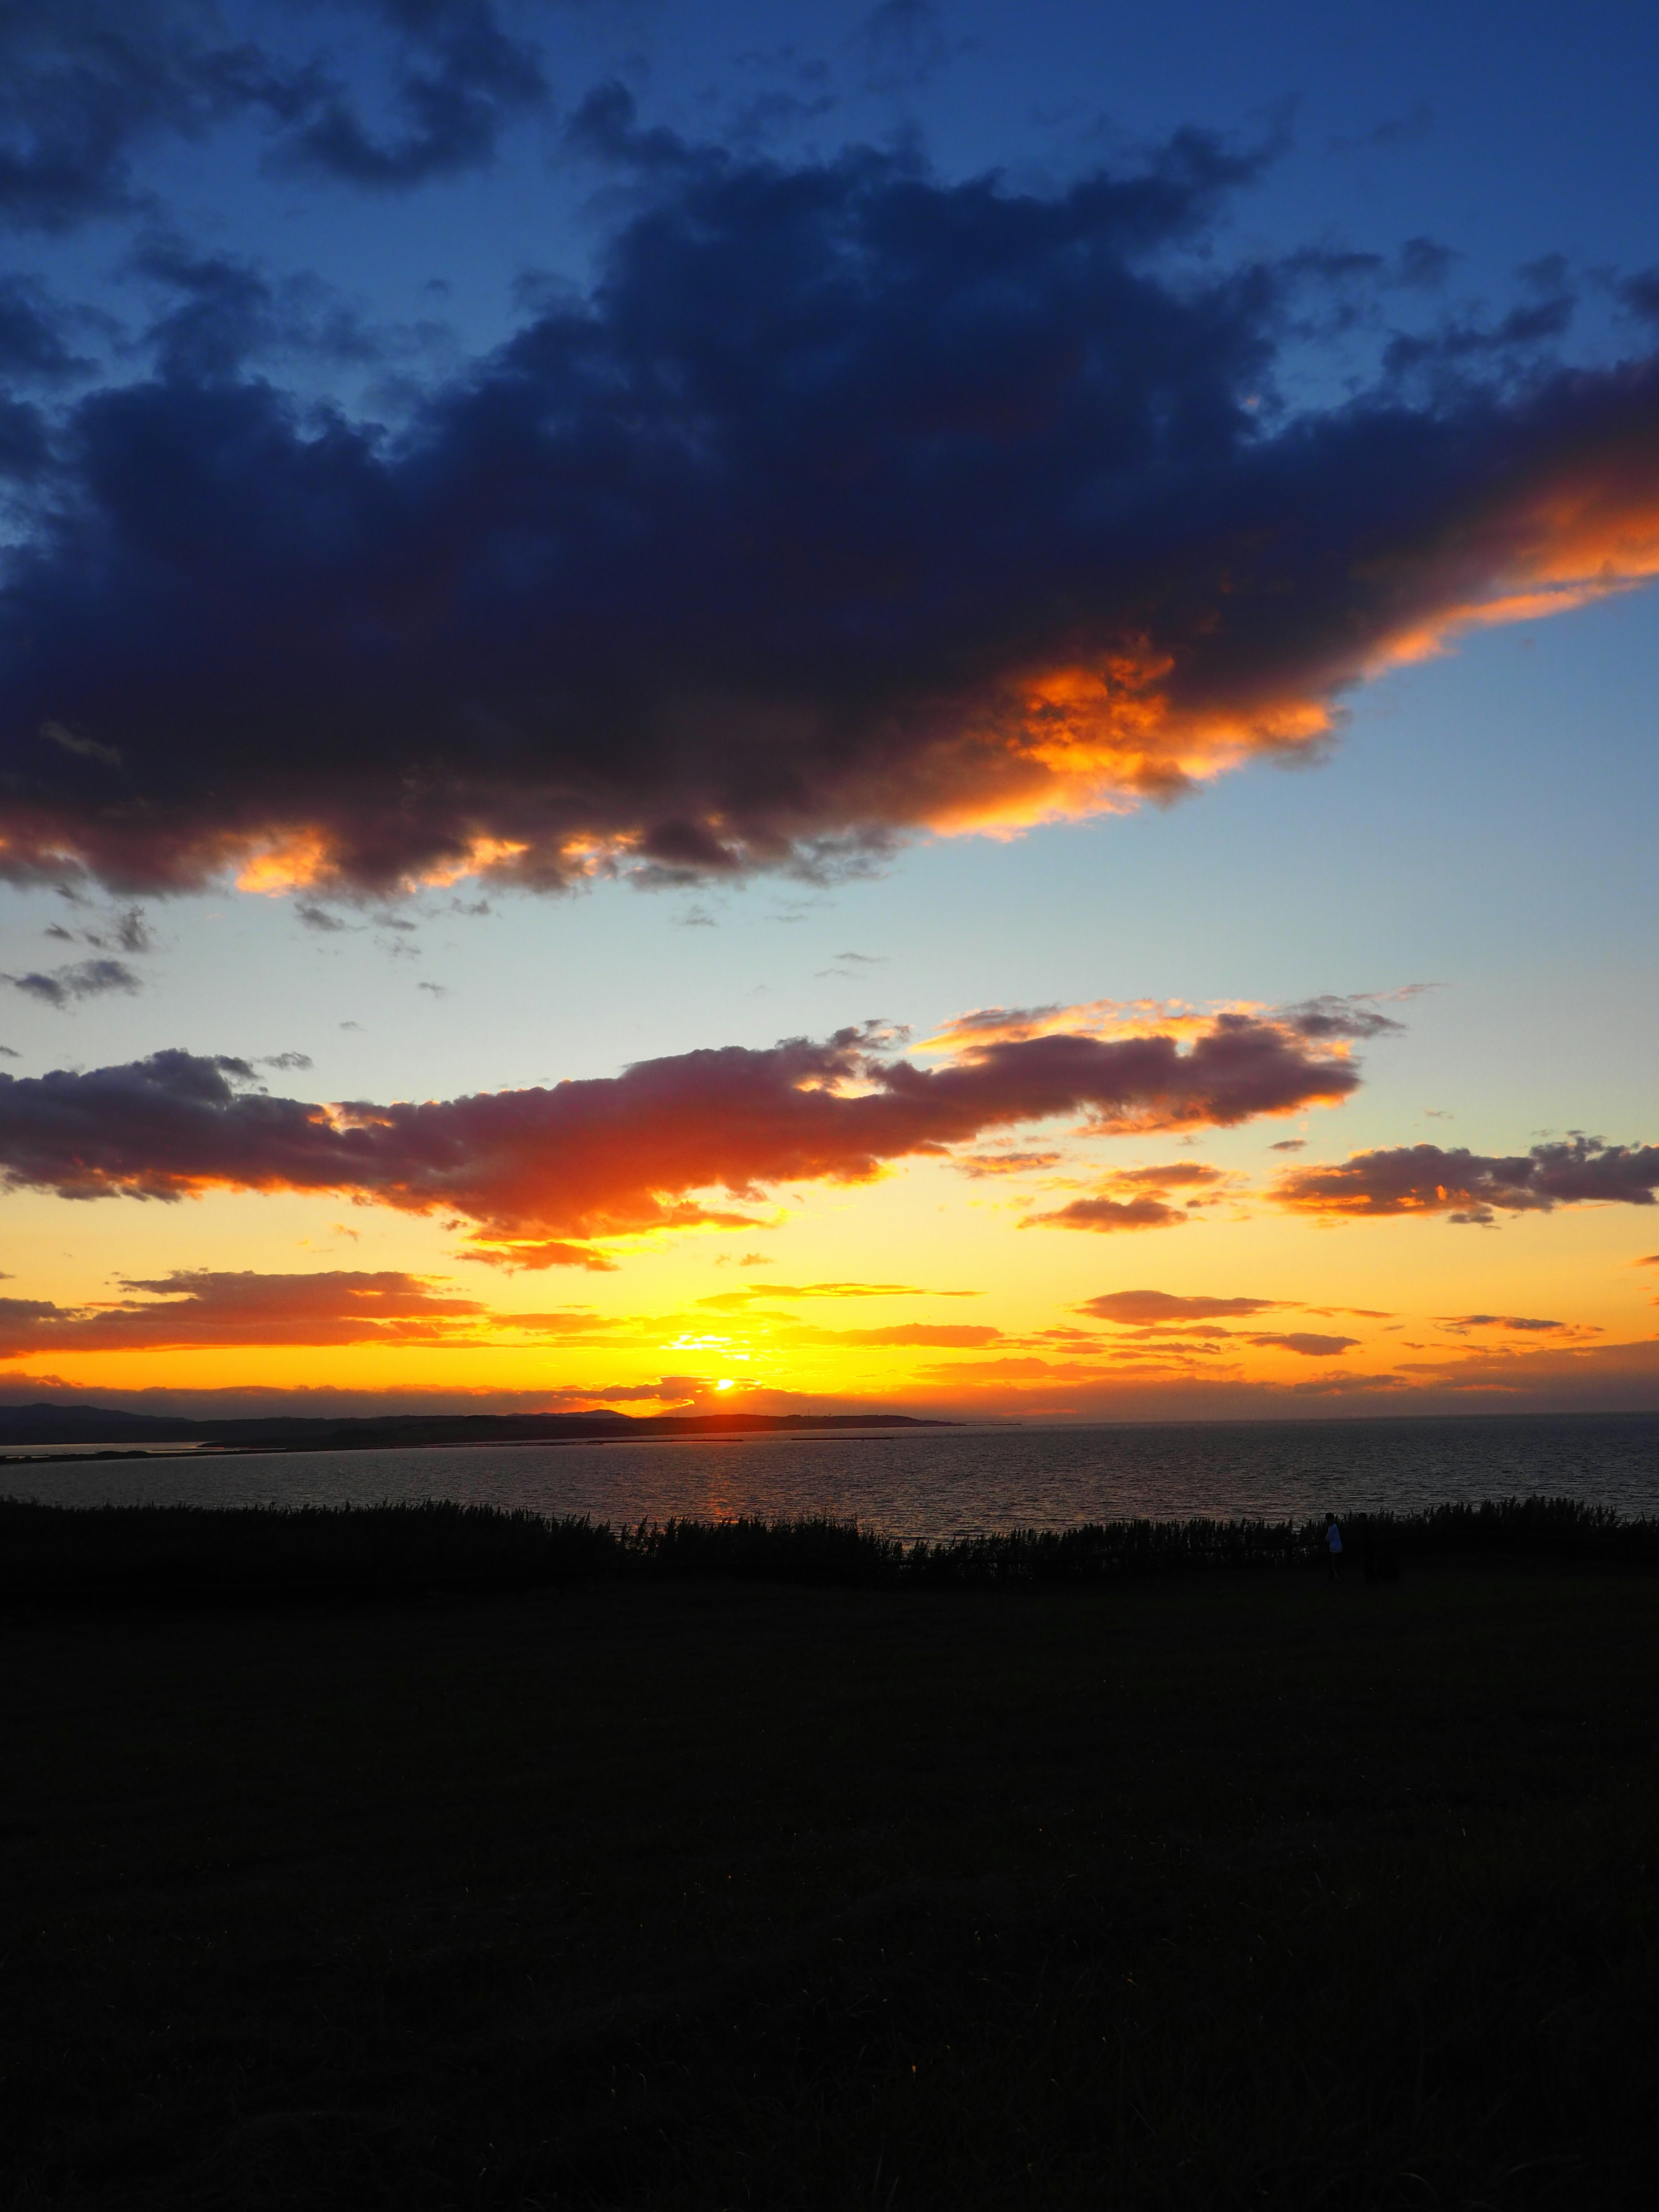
108	1427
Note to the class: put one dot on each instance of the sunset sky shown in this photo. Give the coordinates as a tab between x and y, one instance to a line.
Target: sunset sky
947	707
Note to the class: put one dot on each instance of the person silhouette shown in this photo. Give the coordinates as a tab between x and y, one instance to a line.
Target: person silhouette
1333	1548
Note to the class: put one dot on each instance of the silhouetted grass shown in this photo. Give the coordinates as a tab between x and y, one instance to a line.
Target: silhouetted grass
133	1554
677	1892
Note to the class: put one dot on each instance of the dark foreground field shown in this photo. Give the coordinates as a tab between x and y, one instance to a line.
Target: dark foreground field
1197	1891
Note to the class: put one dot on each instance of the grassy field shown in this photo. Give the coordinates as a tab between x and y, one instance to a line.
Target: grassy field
1191	1890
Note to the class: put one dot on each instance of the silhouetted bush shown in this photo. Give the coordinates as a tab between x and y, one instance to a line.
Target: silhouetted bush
117	1554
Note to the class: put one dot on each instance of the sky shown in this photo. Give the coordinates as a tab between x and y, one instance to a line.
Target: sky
946	706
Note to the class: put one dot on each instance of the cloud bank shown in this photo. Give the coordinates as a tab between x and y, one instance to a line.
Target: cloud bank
539	1173
852	502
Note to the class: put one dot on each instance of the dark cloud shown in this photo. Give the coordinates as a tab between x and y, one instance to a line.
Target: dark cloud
131	932
851	502
1469	1186
84	83
1105	1214
1356	1015
127	931
1136	1198
1424	264
83	979
457	82
25	444
220	314
848	965
1133	1306
1169	1175
87	85
1310	1346
313	916
1349	1386
668	1389
1498	348
541	1172
33	344
900	47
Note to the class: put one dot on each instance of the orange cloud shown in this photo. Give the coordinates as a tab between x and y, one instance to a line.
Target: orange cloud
197	1309
543	1172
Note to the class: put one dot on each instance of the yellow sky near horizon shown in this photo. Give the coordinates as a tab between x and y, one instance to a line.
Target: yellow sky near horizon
684	1305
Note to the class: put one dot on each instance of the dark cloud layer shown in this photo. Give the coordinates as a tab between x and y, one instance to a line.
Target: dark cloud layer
199	1308
541	1171
853	500
1471	1186
1106	1214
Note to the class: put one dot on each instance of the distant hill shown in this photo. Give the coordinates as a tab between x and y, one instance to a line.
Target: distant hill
44	1423
47	1424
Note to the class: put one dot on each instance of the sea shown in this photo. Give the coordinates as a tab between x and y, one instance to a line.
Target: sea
931	1482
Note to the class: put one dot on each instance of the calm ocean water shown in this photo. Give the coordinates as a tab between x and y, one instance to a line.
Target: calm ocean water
938	1482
